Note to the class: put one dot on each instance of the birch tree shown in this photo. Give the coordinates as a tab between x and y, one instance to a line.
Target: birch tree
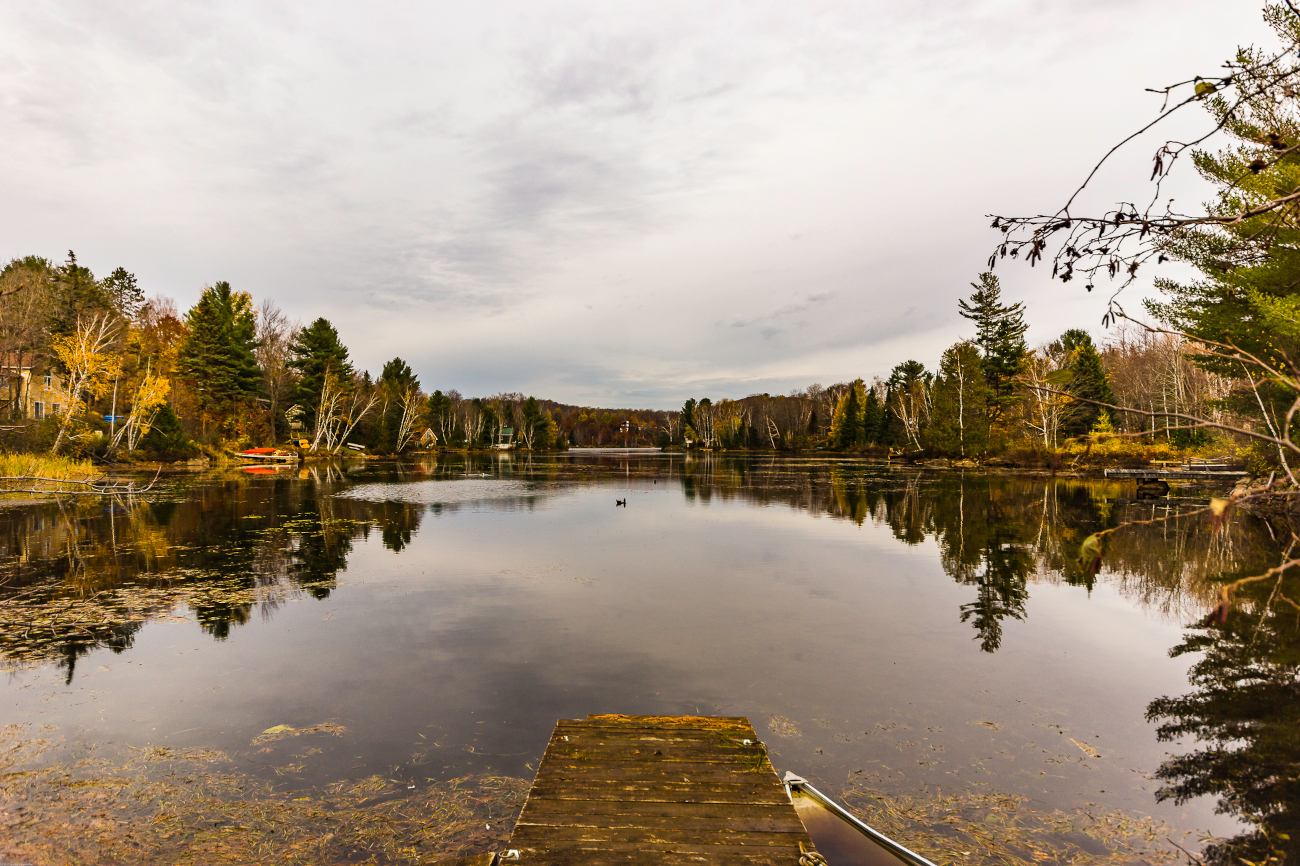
91	364
147	401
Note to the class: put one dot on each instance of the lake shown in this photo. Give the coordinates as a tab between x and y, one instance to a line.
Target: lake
886	629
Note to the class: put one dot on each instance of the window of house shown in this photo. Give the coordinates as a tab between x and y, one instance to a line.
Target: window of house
54	408
49	381
38	410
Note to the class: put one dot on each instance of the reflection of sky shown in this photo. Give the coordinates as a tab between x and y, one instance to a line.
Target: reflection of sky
494	622
450	492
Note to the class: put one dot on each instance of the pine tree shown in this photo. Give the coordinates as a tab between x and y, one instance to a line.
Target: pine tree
1088	381
1000	334
77	296
166	438
317	351
123	291
847	423
217	358
908	402
395	382
1248	294
873	419
688	419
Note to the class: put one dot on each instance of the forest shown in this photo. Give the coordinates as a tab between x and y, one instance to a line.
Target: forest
125	375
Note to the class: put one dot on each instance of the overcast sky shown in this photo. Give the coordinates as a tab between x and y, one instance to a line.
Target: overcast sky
616	204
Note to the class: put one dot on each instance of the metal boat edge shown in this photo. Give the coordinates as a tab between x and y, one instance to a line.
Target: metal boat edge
798	783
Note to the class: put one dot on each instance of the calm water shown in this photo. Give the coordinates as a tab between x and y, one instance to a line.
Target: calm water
910	628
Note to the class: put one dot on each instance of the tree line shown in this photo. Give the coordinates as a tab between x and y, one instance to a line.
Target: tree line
140	375
989	394
136	374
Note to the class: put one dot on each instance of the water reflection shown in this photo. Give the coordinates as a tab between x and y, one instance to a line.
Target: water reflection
258	537
1244	715
82	575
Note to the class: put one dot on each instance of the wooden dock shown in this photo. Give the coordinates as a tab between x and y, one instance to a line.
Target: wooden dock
657	790
1175	474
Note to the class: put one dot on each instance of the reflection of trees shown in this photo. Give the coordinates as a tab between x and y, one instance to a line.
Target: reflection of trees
1001	590
230	547
984	542
398	522
1245	717
243	543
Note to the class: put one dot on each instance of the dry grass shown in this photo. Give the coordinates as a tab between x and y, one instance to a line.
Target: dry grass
188	806
1121	450
48	466
996	829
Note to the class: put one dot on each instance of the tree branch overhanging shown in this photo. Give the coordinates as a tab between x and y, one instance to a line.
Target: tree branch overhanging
1117	242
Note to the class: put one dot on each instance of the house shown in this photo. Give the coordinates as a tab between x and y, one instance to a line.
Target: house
505	438
26	392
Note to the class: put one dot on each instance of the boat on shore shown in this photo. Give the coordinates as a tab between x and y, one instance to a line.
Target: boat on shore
264	455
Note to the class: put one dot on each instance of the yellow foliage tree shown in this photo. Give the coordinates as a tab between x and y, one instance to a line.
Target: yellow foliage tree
87	354
150	396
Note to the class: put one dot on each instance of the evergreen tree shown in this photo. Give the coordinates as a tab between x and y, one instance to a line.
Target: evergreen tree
1248	293
688	419
548	432
847	423
908	403
1000	334
398	377
873	419
442	416
123	292
395	381
217	358
530	422
1088	381
317	351
166	439
77	295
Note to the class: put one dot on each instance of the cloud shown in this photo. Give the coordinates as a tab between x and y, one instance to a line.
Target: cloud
600	204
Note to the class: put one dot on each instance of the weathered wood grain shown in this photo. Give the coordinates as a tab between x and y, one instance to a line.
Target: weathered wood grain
657	790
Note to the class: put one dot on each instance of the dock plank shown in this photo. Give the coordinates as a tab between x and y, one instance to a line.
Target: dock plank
657	790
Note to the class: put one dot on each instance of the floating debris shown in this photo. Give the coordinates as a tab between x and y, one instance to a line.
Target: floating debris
783	727
280	732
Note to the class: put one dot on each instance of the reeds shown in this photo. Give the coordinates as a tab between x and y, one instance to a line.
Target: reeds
56	471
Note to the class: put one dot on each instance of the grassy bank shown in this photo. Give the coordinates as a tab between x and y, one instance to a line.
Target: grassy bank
46	466
21	474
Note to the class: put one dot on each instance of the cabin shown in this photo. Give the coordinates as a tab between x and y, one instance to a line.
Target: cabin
28	392
505	438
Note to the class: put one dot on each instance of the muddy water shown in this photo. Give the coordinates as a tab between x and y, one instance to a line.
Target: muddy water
912	631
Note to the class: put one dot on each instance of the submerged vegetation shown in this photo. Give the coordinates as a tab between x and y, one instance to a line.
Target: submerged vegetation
989	828
62	804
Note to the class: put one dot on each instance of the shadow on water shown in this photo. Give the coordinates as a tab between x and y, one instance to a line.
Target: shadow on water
81	575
